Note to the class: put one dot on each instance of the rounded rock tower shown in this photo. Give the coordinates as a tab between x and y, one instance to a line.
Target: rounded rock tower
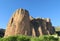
19	23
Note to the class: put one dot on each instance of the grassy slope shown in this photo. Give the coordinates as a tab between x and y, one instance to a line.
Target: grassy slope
57	28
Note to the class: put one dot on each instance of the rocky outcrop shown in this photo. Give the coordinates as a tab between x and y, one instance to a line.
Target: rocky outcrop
41	26
22	23
19	23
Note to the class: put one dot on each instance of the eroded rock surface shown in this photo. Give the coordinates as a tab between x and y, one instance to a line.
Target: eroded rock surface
19	23
41	26
22	23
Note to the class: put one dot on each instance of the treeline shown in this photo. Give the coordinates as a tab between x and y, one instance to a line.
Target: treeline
2	31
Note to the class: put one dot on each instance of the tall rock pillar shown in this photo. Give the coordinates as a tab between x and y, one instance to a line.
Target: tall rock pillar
19	23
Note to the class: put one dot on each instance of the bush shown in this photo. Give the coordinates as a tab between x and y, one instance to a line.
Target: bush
23	38
12	38
48	38
34	39
51	38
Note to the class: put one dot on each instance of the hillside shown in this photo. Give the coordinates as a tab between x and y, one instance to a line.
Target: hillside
57	28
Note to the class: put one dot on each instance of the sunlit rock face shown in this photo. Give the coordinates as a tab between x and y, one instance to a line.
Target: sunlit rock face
22	23
19	23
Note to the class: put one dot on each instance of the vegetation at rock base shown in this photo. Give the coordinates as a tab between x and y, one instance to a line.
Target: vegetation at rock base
29	38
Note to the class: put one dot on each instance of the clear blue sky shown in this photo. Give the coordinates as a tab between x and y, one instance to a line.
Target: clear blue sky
37	8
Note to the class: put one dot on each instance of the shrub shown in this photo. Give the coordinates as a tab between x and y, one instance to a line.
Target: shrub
48	38
23	38
34	39
11	38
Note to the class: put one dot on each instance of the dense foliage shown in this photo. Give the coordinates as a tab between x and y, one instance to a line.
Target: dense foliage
29	38
2	31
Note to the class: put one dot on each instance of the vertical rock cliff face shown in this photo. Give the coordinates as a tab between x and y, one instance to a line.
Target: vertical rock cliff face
41	26
22	23
19	23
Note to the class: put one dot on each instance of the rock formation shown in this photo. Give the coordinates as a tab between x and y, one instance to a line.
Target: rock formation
41	26
19	23
22	23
